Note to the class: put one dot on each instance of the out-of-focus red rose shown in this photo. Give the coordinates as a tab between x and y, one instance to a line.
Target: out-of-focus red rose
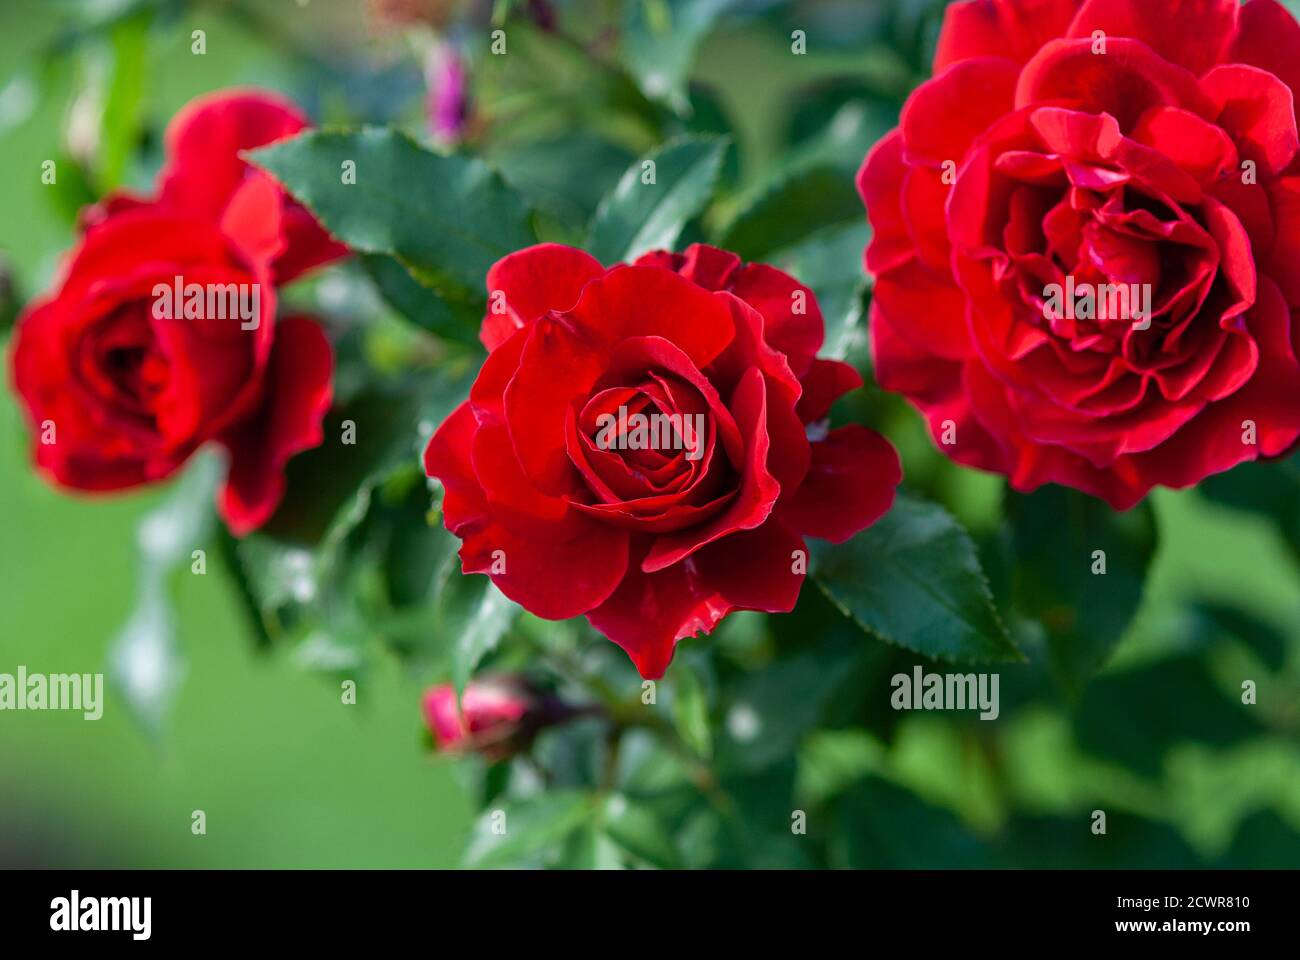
122	383
1087	145
573	508
499	716
203	173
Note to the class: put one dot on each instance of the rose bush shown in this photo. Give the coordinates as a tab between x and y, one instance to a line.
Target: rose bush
120	393
653	545
1134	651
1145	142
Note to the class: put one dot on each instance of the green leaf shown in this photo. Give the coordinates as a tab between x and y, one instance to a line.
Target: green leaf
550	86
690	709
145	661
246	592
431	607
1264	841
789	208
816	111
1057	533
759	837
413	547
10	298
523	832
589	848
830	262
1130	843
638	217
335	479
366	439
877	825
708	115
564	176
770	711
1270	490
1262	638
640	832
914	579
351	556
812	190
1138	716
832	760
418	303
660	38
475	615
446	218
73	189
123	117
283	581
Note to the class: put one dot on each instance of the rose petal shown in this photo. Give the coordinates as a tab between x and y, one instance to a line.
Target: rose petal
1268	38
756	569
1201	148
849	486
880	182
566	353
1126	81
1000	28
447	459
650	612
826	382
944	115
1258	112
552	580
530	282
758	489
1194	34
204	140
299	391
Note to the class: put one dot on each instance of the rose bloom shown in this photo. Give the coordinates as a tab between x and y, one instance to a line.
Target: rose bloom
1066	145
570	512
120	386
203	173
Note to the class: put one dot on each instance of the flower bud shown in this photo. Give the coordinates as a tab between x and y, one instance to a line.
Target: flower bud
448	98
498	716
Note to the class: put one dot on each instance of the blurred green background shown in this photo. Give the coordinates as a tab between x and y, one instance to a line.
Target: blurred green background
288	776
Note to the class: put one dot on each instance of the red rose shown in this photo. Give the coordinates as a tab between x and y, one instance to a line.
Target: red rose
1109	150
656	532
203	171
122	384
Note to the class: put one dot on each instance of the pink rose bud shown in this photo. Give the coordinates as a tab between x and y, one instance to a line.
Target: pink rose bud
448	98
499	716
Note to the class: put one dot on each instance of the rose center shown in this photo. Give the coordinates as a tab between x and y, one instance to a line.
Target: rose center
120	361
